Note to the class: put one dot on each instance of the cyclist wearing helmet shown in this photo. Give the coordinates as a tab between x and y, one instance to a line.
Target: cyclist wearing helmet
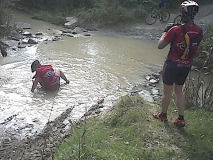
162	6
179	59
163	3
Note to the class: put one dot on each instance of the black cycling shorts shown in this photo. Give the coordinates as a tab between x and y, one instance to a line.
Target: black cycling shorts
174	74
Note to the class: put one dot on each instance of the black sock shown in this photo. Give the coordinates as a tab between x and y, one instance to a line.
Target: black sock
181	117
163	114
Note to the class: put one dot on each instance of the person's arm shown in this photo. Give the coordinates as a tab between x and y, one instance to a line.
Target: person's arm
162	43
167	32
35	83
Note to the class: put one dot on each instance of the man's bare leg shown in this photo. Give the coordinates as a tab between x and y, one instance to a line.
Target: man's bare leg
61	74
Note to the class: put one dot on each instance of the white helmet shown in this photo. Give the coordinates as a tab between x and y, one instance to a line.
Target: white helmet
189	7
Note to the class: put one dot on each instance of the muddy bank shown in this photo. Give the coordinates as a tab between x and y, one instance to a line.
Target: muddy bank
41	146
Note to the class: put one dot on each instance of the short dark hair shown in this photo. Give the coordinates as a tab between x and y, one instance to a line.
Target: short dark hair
34	64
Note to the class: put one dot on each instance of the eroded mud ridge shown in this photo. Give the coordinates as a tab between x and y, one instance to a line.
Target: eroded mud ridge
42	146
39	147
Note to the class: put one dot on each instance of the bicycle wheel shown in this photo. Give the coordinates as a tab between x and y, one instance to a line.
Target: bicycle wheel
178	20
151	18
204	27
166	16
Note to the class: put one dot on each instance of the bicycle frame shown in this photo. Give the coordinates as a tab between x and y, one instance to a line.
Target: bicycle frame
155	14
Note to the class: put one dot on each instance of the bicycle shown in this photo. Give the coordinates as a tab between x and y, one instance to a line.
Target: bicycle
178	21
155	14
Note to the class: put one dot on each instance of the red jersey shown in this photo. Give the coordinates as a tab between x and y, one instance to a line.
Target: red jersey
176	38
48	78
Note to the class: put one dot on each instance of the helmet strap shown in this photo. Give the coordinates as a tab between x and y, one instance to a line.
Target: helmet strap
189	19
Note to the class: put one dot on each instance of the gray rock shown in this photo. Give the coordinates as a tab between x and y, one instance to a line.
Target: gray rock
146	95
72	22
32	41
22	25
77	30
27	33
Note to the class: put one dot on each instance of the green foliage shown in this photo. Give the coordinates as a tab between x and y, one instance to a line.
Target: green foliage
125	15
104	11
6	16
107	15
198	91
76	4
130	132
206	50
5	12
207	42
57	4
52	17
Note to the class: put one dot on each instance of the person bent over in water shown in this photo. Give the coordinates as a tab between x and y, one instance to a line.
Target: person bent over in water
48	78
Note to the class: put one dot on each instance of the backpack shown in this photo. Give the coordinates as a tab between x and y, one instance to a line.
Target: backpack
189	42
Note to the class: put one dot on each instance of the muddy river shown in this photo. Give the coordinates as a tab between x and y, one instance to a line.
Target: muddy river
100	66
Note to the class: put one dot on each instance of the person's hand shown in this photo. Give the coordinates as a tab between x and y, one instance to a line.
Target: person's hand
67	82
168	27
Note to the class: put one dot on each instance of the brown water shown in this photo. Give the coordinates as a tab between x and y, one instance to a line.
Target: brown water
98	66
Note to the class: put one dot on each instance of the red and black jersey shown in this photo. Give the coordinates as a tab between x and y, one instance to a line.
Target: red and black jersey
47	76
175	36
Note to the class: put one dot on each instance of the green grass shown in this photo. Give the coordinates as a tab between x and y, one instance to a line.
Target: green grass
129	132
